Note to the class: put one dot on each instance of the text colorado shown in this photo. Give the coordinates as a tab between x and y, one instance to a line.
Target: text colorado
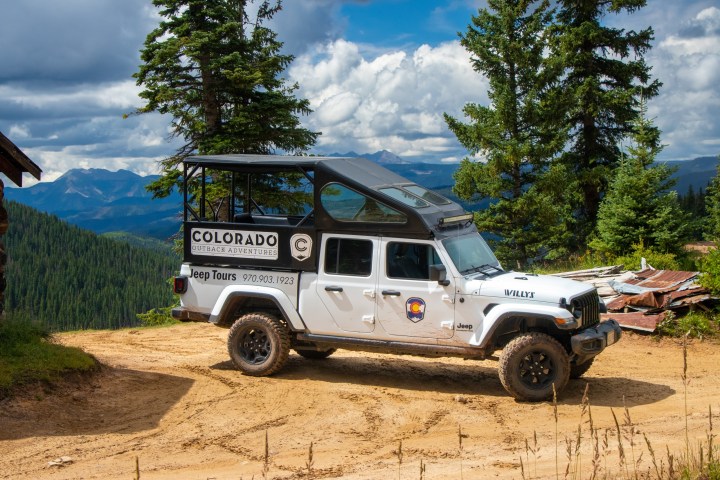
207	241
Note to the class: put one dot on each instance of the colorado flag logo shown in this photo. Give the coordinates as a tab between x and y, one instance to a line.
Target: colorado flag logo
415	309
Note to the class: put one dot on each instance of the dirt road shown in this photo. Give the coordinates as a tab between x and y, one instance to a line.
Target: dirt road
170	398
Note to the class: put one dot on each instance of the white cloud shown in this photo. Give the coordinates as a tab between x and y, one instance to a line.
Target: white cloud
393	101
19	131
709	18
67	82
688	64
113	95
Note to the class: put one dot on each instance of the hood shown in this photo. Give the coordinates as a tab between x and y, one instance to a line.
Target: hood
526	287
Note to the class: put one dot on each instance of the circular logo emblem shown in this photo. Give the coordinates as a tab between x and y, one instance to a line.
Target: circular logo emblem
301	246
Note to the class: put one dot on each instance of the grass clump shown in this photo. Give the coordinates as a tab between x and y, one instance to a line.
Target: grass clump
28	354
157	317
693	325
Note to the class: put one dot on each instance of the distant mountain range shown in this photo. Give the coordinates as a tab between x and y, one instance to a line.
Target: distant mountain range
696	173
104	201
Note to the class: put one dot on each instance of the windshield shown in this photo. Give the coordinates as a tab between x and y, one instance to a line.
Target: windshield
470	254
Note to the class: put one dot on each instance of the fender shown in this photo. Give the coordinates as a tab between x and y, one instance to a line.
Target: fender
559	317
279	298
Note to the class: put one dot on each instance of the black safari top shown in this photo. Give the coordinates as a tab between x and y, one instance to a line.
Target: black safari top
424	213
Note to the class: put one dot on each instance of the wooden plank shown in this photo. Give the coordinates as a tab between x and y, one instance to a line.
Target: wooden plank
14	162
11	171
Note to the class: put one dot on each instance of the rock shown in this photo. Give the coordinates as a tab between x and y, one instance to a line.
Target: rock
60	462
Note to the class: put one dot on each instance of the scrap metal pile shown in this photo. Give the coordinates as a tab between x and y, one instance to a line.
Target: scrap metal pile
641	300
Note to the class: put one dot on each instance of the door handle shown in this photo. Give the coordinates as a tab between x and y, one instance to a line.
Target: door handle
391	293
333	288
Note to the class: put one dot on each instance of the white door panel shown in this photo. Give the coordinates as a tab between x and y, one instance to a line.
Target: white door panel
349	298
413	307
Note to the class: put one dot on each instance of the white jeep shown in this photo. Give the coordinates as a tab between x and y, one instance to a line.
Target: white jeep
312	254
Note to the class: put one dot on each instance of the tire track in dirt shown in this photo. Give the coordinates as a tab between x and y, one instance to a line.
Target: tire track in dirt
170	397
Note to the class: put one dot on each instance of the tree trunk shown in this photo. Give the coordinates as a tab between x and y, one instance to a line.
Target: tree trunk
3	255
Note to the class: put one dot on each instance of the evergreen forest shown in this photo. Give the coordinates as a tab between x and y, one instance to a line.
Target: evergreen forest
67	278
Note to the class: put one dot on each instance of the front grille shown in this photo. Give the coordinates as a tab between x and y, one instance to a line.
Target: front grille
589	304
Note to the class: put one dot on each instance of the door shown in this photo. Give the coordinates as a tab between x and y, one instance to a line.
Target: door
347	280
409	304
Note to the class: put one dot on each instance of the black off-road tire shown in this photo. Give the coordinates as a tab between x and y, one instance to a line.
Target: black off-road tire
315	354
259	344
530	364
577	371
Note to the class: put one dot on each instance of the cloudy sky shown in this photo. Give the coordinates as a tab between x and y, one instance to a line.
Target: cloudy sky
379	74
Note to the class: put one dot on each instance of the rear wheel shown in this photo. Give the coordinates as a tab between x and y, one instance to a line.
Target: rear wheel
531	364
259	344
315	354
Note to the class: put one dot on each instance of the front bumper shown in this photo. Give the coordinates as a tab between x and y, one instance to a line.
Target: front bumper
593	340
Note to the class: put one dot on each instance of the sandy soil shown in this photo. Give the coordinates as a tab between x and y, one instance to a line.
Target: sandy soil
170	398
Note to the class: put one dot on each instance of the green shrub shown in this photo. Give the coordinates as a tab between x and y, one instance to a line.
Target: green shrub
157	317
710	268
661	261
694	324
16	330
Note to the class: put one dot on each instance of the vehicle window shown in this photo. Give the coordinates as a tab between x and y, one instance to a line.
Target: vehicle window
348	256
346	205
426	194
405	197
410	260
469	253
282	194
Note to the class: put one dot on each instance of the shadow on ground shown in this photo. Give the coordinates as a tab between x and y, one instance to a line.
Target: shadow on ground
113	400
469	378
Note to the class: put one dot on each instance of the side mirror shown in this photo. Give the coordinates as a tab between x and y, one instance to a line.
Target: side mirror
438	273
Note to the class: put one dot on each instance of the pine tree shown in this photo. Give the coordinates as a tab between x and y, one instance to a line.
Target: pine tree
640	207
693	203
605	78
507	42
712	206
218	74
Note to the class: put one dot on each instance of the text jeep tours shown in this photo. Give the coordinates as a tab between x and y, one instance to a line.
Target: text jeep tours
314	254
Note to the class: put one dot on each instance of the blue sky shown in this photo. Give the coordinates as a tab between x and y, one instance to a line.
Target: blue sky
378	74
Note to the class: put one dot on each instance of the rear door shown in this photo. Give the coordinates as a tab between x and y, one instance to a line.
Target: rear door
347	280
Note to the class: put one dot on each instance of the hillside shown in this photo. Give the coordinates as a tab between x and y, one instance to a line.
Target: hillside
68	278
696	173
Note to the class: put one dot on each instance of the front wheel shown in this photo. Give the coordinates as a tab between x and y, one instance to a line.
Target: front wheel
577	371
530	364
259	344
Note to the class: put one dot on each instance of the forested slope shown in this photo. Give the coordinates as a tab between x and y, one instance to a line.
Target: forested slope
68	278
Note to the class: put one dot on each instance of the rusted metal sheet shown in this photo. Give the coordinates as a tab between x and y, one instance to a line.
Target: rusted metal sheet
659	290
639	321
640	300
661	278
